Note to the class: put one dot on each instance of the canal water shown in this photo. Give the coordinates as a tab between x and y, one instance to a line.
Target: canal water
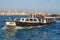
50	32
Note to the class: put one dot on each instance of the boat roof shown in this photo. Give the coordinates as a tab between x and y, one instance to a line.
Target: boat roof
23	18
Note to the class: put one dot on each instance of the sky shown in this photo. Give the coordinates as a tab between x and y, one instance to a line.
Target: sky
52	6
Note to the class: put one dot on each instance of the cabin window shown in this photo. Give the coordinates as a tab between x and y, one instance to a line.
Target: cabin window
35	20
47	19
39	19
31	19
27	20
52	19
22	19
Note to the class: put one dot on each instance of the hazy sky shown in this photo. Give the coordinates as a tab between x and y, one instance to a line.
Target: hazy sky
31	5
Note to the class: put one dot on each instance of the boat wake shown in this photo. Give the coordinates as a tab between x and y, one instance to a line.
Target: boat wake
27	27
5	27
58	21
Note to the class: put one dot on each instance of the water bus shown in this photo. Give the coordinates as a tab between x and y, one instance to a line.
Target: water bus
29	22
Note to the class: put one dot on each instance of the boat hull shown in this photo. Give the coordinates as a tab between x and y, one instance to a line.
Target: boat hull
26	24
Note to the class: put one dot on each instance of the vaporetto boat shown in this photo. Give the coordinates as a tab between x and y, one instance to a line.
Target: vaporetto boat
23	22
29	22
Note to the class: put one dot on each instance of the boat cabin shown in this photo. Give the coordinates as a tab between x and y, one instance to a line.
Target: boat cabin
49	19
27	20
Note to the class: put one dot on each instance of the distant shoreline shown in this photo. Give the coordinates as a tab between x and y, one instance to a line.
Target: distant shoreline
15	13
22	13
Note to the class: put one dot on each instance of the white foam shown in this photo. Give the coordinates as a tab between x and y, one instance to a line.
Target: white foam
16	27
22	27
27	27
58	21
5	27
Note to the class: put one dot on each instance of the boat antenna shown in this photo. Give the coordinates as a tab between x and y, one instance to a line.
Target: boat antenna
32	15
